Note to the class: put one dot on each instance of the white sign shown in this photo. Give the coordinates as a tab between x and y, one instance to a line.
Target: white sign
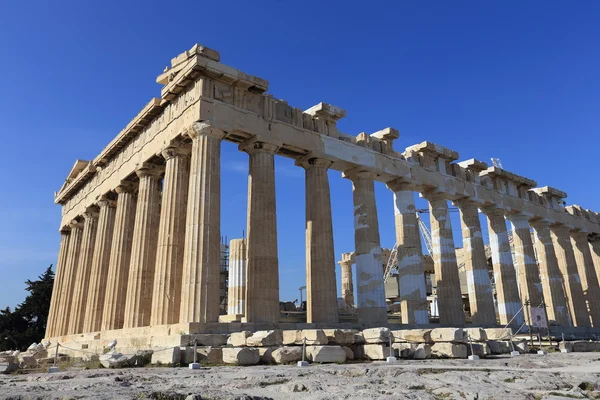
538	318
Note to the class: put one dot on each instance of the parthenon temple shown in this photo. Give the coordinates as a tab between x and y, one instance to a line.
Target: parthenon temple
142	257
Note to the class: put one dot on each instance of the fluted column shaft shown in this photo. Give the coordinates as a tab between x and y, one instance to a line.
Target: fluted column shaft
411	272
51	325
82	280
507	290
347	283
120	256
99	269
479	287
550	275
449	296
321	291
236	290
594	244
587	273
372	309
262	279
138	302
571	279
166	298
200	292
528	273
68	286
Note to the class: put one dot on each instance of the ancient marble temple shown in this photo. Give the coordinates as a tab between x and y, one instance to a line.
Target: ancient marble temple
140	231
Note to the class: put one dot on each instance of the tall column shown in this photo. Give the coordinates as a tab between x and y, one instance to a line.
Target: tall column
166	297
51	326
99	268
372	309
550	275
571	279
347	283
63	314
201	266
262	279
82	280
444	261
321	292
528	273
138	302
594	244
479	286
587	273
120	256
507	290
236	294
411	272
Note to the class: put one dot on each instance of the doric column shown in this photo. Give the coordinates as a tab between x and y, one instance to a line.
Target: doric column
372	309
236	291
51	325
550	276
120	257
99	269
166	298
571	279
594	244
201	265
82	280
321	292
138	302
507	290
262	279
449	297
528	273
479	287
587	273
63	314
347	283
411	273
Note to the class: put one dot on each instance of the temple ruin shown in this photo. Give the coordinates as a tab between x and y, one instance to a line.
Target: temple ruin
141	252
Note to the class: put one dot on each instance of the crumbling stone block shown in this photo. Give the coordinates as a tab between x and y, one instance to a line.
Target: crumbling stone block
241	355
314	337
238	339
376	351
340	336
377	335
326	354
476	334
453	335
265	338
287	355
449	350
167	357
413	335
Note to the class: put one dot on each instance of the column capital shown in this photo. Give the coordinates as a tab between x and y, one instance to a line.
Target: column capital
311	160
65	230
91	213
202	128
148	169
493	211
346	263
400	185
255	145
106	202
541	223
176	149
74	224
465	203
359	173
519	220
125	187
433	196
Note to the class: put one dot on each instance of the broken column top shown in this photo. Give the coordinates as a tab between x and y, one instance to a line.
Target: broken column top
434	149
509	176
550	192
386	134
326	111
473	165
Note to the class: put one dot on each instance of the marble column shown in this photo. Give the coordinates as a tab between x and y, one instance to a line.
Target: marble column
594	244
321	291
411	273
449	297
571	279
200	293
347	283
82	280
99	269
51	325
262	279
166	297
68	285
528	274
507	290
550	275
587	273
120	256
479	286
371	305
236	290
138	302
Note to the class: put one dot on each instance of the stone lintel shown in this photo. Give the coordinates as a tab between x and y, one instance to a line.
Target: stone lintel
386	134
326	111
473	165
518	180
434	149
550	192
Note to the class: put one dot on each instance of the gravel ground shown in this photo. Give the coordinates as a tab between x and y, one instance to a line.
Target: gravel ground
555	376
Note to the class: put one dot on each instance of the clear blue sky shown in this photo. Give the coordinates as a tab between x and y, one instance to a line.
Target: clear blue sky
514	80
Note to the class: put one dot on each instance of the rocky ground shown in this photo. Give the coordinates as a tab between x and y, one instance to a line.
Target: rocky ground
555	376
